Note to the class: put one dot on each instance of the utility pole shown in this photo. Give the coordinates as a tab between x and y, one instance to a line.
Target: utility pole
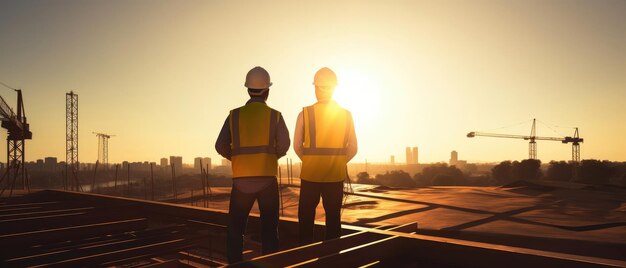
128	180
280	190
93	180
206	178
174	183
117	167
152	181
203	183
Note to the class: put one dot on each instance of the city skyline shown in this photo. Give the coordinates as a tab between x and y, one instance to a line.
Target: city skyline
163	76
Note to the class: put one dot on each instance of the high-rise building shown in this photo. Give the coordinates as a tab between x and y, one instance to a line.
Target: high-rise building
197	164
40	164
454	158
409	156
177	163
163	162
50	163
392	160
206	161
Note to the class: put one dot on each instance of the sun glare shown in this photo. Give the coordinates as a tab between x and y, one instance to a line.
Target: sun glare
358	93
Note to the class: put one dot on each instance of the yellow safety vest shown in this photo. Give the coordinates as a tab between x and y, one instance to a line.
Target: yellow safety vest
253	136
326	127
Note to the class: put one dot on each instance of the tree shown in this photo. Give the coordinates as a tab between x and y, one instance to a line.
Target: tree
364	178
595	171
560	171
527	169
362	175
507	171
441	174
503	172
395	178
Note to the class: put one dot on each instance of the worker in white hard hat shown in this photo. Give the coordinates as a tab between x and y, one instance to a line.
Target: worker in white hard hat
253	138
325	141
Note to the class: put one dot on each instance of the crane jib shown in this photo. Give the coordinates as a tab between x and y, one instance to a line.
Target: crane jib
575	140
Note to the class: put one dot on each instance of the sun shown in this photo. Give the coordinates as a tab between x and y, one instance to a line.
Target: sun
357	92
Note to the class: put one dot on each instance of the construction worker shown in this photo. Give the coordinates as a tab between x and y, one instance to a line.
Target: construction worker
325	141
253	138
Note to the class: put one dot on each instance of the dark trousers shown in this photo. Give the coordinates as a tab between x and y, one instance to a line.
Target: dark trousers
240	205
332	197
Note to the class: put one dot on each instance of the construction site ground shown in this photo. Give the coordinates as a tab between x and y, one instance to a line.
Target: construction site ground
555	216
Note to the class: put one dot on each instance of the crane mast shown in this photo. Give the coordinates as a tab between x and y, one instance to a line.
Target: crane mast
103	148
18	132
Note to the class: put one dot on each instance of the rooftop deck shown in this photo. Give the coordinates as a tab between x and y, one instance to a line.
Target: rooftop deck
58	228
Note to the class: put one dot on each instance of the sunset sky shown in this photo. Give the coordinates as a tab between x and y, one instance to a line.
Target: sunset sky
162	75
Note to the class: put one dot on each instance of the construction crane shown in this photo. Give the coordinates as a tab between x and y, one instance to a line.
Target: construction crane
71	143
18	131
103	148
532	138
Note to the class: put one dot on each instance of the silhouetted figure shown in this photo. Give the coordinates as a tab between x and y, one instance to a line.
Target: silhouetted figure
253	137
325	141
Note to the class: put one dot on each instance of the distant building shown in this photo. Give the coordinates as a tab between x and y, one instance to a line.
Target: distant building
50	163
197	164
454	157
163	162
392	160
225	162
454	160
177	163
411	156
204	161
40	164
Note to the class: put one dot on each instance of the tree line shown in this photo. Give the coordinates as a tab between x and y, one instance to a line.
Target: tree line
587	171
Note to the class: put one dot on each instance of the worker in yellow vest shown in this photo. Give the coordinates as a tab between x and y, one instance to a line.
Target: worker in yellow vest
253	138
325	141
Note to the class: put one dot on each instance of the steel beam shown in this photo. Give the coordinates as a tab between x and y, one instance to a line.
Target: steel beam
68	233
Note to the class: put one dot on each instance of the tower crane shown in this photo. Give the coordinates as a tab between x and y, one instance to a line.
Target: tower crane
532	138
103	148
18	131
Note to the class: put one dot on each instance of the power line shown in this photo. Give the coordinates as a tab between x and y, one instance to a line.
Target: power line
509	126
7	86
550	127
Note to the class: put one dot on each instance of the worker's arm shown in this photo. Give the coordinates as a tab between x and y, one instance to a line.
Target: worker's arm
352	146
282	138
222	145
298	136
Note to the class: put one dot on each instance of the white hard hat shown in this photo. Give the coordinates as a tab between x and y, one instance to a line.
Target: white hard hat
325	77
258	78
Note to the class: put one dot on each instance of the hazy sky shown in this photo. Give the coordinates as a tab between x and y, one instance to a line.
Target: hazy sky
162	75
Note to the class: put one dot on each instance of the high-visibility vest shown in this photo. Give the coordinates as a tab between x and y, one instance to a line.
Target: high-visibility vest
253	136
326	127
